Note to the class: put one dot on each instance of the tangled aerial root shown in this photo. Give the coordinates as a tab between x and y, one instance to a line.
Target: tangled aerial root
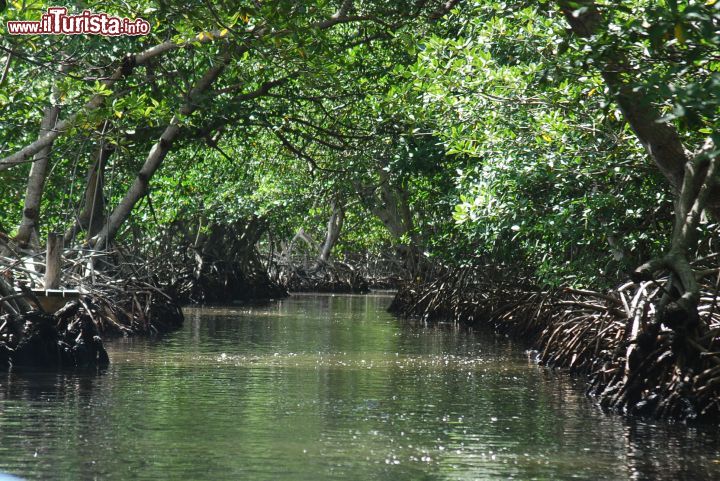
71	336
326	277
634	366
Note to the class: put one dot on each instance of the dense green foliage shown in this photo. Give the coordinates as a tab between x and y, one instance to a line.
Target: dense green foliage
486	133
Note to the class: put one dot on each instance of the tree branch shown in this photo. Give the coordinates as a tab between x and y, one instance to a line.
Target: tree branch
126	67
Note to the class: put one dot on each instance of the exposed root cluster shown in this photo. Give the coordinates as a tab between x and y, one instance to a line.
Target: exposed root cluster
634	364
216	264
325	277
128	312
32	333
71	336
67	338
222	282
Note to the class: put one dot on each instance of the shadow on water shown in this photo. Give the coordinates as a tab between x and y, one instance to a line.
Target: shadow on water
328	387
33	385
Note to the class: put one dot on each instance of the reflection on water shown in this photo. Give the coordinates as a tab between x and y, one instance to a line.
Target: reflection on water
327	387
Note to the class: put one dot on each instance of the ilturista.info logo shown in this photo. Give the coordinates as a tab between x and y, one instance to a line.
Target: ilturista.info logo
57	21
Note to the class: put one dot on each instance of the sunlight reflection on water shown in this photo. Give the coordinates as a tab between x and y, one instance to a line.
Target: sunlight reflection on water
326	388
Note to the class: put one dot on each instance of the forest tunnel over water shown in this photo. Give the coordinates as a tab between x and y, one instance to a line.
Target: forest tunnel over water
546	170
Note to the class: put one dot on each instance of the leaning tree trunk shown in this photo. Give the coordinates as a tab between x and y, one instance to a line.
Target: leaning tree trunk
28	231
160	149
155	157
334	227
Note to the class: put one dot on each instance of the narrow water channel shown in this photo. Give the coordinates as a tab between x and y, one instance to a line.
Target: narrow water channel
328	388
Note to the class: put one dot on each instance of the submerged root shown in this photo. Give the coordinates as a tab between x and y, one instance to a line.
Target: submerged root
634	364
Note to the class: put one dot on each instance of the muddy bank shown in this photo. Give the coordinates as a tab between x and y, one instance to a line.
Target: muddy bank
633	365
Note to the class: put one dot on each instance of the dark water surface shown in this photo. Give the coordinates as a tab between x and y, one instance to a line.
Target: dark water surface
328	388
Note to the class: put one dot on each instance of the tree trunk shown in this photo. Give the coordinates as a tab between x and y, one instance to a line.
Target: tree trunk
53	261
334	227
92	216
392	206
660	139
303	236
155	158
678	306
29	229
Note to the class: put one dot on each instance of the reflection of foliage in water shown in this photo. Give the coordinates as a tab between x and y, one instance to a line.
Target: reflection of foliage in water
450	404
